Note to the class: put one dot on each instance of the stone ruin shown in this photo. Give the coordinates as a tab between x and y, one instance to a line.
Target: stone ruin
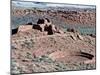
43	24
46	25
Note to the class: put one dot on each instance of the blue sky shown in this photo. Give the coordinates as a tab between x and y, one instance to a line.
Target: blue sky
44	4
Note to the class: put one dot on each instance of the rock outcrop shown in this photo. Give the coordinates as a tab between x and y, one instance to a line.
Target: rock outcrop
23	28
44	25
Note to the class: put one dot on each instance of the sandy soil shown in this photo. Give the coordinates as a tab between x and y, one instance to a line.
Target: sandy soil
34	51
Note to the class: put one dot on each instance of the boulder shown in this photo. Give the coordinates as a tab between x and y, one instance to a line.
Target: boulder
73	37
92	35
14	31
79	36
72	30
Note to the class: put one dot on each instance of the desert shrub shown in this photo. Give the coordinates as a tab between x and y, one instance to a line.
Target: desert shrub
28	55
14	67
27	44
61	66
43	59
81	66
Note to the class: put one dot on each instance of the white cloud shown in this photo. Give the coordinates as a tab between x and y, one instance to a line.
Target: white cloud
34	4
55	5
69	5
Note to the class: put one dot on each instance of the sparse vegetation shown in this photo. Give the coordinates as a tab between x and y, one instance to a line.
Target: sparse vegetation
34	50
